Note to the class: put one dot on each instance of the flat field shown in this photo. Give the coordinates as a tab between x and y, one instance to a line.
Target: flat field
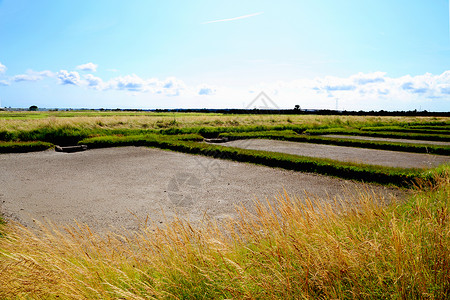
144	120
178	218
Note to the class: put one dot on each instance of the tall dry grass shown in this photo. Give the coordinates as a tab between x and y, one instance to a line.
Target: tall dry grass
357	248
119	120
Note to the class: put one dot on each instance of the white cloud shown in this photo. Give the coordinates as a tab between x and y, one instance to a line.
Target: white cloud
235	18
4	83
94	82
66	77
129	82
89	67
364	91
378	84
205	90
33	76
2	68
171	86
368	78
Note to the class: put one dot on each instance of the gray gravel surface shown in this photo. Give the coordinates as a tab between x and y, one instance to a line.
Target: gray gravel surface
121	187
370	138
348	154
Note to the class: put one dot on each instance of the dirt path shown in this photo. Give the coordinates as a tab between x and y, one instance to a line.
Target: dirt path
349	154
370	138
106	187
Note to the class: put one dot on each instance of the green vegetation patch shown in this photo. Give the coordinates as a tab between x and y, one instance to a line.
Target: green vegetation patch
212	132
21	147
429	130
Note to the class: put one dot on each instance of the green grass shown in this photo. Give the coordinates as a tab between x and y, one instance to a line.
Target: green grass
292	136
437	127
429	130
21	147
290	248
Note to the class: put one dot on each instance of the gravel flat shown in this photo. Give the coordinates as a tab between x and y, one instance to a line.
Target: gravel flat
370	138
120	187
347	154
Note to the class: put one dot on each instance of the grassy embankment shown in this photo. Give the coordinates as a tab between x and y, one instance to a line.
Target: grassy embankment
354	248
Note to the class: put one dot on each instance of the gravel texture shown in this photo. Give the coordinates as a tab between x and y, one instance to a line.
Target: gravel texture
370	138
348	154
117	188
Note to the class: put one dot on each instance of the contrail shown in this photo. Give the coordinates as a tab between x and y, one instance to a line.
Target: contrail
234	19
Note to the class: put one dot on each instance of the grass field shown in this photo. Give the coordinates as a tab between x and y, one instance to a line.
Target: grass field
125	120
356	248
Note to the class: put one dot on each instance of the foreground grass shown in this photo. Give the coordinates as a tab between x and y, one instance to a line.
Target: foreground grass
356	247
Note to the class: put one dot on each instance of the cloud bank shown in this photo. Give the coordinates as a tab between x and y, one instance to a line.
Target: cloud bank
374	90
31	75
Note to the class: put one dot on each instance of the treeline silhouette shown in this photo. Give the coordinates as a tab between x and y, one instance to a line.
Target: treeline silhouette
423	113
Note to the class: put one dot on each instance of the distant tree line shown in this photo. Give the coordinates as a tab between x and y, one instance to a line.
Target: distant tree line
297	111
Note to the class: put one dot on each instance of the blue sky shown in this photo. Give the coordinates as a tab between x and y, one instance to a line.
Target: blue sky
392	55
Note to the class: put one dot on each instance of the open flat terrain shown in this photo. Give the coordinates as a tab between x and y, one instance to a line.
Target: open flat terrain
115	187
348	154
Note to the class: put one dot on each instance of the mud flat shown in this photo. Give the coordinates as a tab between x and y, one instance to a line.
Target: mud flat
348	154
119	187
370	138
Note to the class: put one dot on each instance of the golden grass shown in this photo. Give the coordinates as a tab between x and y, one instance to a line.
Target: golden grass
290	248
163	120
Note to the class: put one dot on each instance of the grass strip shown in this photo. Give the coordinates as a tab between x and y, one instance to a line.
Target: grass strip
388	134
441	128
212	132
22	147
367	173
293	137
406	129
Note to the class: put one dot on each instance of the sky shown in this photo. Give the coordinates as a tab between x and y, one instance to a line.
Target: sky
323	54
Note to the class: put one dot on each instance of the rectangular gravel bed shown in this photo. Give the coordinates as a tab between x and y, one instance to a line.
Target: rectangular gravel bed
347	154
120	187
370	138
